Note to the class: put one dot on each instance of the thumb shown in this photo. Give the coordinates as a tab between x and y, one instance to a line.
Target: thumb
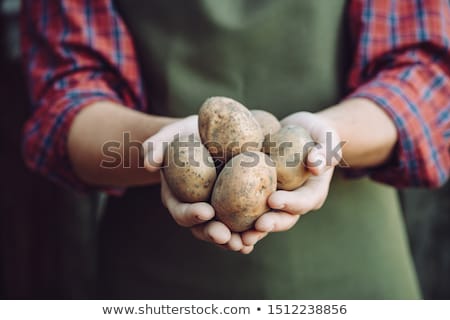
316	160
154	148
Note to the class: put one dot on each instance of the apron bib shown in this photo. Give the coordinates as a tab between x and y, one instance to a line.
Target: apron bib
278	56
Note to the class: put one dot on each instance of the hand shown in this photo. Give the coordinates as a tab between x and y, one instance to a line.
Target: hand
289	206
196	216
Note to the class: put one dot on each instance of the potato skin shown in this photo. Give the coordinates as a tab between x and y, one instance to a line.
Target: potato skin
288	148
268	122
189	171
227	128
241	190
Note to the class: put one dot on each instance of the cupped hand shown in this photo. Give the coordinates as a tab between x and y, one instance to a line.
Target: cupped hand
288	206
199	217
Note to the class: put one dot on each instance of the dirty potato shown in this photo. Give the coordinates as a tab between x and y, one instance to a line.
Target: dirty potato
288	148
227	128
242	189
189	170
268	122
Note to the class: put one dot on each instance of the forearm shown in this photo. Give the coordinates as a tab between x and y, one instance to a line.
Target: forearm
368	132
105	125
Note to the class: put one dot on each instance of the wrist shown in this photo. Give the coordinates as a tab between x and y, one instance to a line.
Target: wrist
367	131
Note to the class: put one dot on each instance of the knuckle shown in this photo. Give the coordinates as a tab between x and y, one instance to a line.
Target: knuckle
277	226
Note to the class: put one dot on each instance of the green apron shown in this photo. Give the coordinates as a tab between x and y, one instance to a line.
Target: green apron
279	56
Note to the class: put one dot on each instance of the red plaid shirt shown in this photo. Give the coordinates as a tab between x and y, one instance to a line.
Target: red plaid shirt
79	52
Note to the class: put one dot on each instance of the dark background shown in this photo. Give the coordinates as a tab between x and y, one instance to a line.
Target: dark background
48	234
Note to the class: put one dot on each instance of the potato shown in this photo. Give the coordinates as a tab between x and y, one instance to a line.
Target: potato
227	128
268	122
242	189
288	148
189	169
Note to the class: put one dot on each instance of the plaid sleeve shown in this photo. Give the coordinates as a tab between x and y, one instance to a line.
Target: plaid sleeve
75	53
402	63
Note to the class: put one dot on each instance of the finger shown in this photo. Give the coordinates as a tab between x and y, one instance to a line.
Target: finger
185	214
155	145
315	125
247	249
276	221
235	243
213	231
316	161
154	149
296	119
326	153
326	138
244	250
310	196
218	232
251	237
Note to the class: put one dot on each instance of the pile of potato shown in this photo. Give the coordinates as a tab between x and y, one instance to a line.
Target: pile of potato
243	157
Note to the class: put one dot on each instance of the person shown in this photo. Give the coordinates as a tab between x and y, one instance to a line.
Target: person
374	74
